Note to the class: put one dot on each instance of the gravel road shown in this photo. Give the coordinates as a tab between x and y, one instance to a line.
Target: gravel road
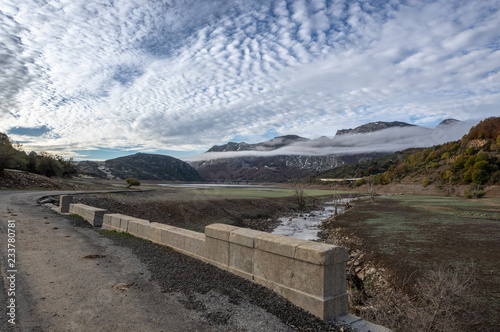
71	277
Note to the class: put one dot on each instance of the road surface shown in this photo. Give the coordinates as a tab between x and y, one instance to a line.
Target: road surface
55	288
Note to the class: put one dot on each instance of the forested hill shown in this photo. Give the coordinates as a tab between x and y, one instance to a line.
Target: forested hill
473	159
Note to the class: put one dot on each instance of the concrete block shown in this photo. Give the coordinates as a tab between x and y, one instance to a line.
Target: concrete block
175	238
143	230
241	260
313	279
244	236
278	244
111	221
321	253
322	307
273	268
74	208
64	202
241	251
219	231
124	220
156	230
217	251
107	222
92	214
133	226
194	244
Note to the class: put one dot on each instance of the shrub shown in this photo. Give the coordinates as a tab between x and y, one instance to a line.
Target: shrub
480	172
132	182
441	301
474	191
425	182
359	182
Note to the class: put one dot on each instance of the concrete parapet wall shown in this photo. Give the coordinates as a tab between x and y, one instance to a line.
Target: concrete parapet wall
92	214
310	274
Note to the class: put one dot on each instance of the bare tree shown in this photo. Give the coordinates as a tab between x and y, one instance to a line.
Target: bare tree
336	199
299	186
371	187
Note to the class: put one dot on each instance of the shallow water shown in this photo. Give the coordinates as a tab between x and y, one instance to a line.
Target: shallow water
305	226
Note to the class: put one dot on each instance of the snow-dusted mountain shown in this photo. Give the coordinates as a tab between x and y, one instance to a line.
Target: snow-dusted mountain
285	157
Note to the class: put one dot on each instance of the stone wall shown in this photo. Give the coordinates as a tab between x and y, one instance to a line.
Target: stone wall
310	274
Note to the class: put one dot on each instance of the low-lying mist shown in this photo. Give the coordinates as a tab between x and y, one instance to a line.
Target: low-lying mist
386	140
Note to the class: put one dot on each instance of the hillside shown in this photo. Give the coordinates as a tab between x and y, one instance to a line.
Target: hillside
475	159
13	157
278	168
143	166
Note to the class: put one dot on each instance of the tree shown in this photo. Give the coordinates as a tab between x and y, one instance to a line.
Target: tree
47	165
298	187
6	152
132	182
371	188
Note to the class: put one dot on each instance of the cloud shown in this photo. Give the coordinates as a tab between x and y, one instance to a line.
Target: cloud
387	140
190	74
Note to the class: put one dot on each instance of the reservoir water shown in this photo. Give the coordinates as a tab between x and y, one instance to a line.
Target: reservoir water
305	225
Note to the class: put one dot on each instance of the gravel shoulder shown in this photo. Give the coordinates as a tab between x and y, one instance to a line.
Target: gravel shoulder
72	277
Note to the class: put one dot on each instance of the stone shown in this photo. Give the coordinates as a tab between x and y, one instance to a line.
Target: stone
92	214
278	244
143	230
219	231
321	253
64	202
133	226
156	232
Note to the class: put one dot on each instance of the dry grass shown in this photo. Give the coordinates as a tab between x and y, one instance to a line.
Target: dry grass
441	301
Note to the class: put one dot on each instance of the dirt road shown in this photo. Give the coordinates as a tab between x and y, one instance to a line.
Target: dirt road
58	289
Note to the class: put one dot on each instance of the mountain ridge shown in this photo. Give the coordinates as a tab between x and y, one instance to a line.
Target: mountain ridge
285	157
373	126
144	166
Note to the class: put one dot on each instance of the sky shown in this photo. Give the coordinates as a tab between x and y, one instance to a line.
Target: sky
100	79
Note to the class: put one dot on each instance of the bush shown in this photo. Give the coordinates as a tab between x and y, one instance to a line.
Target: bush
480	172
441	301
132	182
474	191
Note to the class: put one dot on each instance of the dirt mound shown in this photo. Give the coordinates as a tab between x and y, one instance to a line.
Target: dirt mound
11	179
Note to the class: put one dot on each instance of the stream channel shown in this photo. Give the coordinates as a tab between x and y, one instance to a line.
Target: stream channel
305	225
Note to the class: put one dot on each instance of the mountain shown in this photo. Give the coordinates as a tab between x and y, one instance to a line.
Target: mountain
285	157
278	168
373	126
273	144
143	166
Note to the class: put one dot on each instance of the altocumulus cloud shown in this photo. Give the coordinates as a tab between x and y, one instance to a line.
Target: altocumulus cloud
184	75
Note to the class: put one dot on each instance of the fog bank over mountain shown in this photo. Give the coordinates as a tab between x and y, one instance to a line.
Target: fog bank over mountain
350	141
